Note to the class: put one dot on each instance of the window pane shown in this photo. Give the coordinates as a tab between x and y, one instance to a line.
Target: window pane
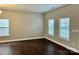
4	27
64	28
4	23
4	31
64	22
64	33
51	26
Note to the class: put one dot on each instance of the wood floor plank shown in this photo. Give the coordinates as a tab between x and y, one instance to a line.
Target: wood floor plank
33	47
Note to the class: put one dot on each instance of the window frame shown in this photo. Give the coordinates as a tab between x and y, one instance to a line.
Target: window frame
8	27
52	25
64	38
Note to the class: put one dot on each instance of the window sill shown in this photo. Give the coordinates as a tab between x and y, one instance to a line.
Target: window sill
4	36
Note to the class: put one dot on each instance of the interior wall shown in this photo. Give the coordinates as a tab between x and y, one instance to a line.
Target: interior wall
23	24
73	12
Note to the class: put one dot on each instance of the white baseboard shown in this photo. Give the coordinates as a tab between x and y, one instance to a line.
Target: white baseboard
12	40
70	48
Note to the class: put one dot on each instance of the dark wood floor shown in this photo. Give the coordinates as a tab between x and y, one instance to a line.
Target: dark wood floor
33	47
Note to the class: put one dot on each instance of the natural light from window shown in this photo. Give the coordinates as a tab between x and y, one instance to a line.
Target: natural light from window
4	27
64	28
51	27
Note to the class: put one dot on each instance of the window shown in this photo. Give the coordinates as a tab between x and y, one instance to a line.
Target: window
51	26
64	28
4	27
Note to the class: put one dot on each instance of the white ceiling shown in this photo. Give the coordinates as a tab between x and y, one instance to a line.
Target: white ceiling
39	8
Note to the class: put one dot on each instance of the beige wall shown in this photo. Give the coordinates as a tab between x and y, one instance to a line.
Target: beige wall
23	24
73	12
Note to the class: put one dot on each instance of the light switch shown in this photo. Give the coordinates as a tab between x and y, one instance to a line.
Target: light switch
77	30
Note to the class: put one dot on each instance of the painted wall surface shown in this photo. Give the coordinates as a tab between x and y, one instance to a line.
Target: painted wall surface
23	24
71	11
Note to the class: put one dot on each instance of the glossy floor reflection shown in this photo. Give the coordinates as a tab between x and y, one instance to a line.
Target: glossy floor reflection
33	47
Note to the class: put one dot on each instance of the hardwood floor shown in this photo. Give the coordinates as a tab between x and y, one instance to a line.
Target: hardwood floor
33	47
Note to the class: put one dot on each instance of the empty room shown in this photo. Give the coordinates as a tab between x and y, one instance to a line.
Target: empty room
39	29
